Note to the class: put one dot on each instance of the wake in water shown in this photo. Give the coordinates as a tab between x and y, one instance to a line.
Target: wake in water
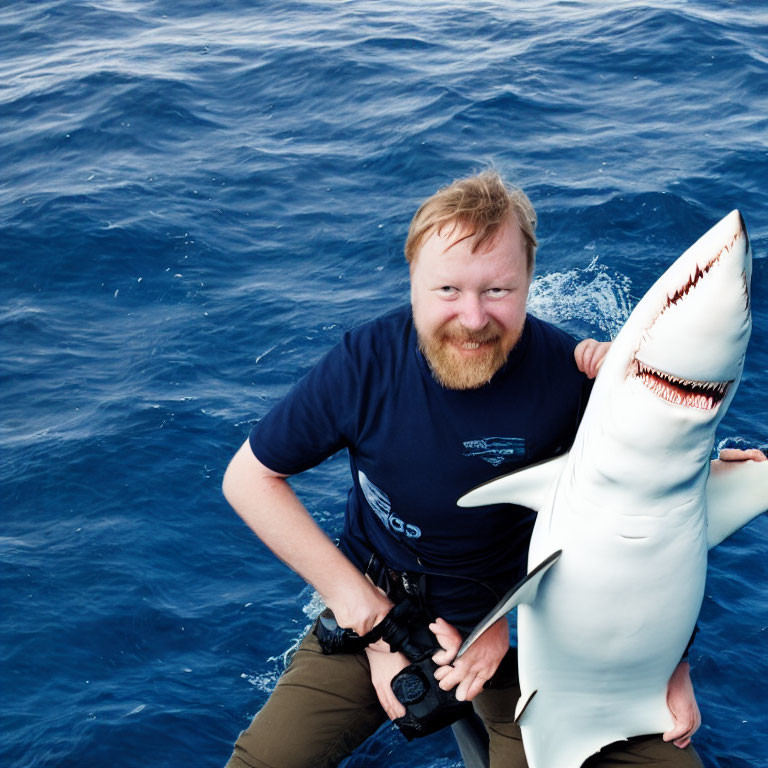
592	296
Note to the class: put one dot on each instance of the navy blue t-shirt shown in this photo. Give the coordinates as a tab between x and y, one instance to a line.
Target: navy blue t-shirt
415	447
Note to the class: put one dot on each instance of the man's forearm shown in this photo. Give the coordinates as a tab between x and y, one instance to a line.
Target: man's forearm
274	513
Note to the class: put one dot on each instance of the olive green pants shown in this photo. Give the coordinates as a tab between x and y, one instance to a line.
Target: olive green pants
323	707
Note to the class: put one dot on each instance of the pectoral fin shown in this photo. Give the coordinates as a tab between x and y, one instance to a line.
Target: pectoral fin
527	487
737	492
523	592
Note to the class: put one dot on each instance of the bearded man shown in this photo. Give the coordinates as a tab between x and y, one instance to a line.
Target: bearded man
430	400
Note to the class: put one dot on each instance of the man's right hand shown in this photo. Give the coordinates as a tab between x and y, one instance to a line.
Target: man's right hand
384	666
359	607
267	503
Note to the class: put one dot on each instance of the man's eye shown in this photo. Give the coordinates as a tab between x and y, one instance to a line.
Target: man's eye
446	290
497	293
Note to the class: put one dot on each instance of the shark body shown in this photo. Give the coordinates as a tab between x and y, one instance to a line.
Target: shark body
618	556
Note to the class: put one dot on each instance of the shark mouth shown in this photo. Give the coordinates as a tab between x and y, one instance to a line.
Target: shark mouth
705	395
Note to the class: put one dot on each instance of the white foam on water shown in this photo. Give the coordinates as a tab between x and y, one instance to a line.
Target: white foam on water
266	681
592	295
314	607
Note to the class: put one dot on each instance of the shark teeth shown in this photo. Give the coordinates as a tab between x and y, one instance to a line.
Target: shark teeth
705	395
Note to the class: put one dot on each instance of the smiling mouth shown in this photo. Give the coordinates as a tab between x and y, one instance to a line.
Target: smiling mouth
705	395
471	345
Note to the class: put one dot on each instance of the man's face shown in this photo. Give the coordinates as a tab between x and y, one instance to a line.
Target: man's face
469	308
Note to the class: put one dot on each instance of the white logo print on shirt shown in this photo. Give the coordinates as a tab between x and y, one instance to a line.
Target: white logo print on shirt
379	502
496	450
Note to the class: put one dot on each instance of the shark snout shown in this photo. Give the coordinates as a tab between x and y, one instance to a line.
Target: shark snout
743	228
698	335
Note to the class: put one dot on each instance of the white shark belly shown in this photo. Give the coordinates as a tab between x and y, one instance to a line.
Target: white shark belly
610	624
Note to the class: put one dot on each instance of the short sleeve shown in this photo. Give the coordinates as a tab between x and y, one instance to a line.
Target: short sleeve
315	419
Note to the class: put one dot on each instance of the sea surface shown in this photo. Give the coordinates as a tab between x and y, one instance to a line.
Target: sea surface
197	199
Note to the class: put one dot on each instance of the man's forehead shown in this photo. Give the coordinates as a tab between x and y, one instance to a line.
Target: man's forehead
452	233
446	236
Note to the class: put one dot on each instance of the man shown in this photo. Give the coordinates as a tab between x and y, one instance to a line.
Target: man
430	401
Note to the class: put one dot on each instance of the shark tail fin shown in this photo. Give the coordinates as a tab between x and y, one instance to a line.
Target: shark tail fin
527	487
523	592
737	492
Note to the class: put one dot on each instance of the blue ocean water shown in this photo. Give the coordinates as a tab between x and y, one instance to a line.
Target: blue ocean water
197	199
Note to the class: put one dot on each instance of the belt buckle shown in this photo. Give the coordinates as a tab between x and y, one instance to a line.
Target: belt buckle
411	588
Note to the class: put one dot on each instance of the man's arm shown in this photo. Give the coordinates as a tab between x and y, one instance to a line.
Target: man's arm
272	510
274	513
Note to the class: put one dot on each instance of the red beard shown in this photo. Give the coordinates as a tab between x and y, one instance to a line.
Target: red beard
466	368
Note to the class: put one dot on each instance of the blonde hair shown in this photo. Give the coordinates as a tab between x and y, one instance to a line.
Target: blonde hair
478	205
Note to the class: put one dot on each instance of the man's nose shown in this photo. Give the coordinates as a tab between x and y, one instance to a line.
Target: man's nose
473	316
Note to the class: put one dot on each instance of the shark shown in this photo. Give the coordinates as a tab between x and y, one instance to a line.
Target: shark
618	555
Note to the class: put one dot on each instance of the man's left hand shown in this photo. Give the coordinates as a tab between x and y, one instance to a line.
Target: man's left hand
682	704
477	665
589	355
